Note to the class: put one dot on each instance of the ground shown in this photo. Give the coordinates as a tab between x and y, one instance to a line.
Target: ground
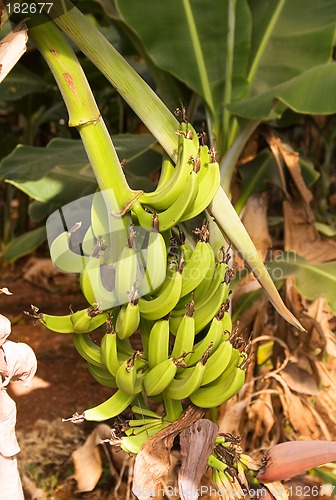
62	384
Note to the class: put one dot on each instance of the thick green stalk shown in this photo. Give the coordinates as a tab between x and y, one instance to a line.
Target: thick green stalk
83	111
145	103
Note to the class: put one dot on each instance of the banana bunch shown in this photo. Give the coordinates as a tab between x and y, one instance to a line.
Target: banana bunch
112	257
140	274
234	472
185	189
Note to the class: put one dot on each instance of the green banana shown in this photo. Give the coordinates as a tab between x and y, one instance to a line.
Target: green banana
154	261
107	223
126	270
162	304
205	311
87	320
59	324
214	336
63	257
86	286
164	197
158	343
139	422
167	170
93	287
89	351
211	282
172	215
133	444
182	388
159	377
209	183
217	362
89	242
195	270
83	321
128	319
219	273
185	335
144	412
215	395
102	376
145	328
129	378
143	426
111	357
100	217
110	408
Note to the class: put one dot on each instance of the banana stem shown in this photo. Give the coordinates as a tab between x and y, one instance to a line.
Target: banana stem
82	108
142	99
173	408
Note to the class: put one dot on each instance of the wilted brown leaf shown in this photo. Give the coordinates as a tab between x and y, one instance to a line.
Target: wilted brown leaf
87	460
12	47
197	443
255	222
301	235
153	460
299	380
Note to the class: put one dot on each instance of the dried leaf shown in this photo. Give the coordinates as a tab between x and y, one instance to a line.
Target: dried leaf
255	222
153	460
301	235
87	459
197	443
12	47
300	380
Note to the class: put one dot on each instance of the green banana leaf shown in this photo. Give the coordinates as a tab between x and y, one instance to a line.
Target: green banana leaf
243	53
312	280
31	163
24	244
21	82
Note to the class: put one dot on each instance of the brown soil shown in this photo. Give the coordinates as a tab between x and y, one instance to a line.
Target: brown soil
70	386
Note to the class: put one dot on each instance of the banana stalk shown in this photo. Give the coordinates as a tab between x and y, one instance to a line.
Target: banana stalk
83	111
142	99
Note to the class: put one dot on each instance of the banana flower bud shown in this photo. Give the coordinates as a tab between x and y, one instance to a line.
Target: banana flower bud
286	460
265	494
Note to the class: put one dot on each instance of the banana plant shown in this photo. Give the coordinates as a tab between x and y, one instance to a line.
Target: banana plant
239	89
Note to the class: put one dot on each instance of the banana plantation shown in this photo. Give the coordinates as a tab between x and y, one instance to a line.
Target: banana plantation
167	249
